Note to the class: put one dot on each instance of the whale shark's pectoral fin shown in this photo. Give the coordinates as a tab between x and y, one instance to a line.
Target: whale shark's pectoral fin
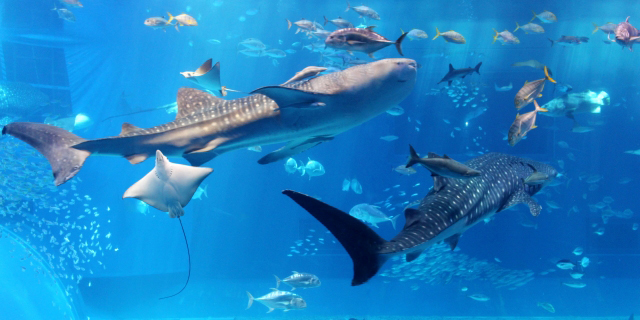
292	148
411	216
294	98
523	197
198	159
413	255
452	241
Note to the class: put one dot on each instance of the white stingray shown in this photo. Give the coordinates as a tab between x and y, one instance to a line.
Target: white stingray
169	186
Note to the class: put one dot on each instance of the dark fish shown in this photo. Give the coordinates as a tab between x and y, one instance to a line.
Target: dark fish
569	41
20	99
362	40
442	215
441	166
459	73
565	264
537	178
531	90
626	34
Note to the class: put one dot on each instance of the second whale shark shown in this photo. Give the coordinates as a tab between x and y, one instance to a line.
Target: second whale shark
304	114
442	215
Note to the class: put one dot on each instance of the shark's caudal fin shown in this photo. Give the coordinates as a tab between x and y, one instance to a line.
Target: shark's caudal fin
477	68
399	43
357	238
413	157
55	144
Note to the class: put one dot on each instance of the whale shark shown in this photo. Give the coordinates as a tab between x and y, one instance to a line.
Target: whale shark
304	114
442	215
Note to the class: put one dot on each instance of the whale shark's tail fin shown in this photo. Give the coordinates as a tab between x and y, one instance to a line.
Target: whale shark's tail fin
362	243
55	144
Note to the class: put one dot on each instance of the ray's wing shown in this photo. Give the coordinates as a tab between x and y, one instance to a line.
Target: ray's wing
186	180
149	189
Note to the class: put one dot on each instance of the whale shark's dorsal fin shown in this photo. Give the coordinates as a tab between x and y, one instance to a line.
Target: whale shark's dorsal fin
192	101
433	155
411	216
451	69
128	128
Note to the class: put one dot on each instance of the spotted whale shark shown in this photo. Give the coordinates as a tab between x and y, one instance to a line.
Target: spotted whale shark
442	215
303	113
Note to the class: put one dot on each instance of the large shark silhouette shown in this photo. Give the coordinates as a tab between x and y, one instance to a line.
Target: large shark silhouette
443	214
304	114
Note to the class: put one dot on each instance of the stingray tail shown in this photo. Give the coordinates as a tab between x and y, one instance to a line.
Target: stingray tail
362	243
56	144
188	255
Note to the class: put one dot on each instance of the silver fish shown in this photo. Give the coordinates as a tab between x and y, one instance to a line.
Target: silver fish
523	124
531	90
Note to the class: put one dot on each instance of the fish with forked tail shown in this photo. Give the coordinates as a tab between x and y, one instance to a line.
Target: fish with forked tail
569	41
450	36
459	73
299	280
523	124
531	90
303	114
361	40
441	216
364	11
441	166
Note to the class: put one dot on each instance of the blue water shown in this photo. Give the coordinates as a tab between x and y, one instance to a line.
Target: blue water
108	63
